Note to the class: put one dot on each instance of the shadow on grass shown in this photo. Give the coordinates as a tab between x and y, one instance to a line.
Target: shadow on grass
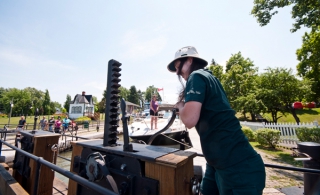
280	155
307	111
267	148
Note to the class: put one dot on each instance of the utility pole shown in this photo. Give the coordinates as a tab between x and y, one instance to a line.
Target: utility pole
36	113
11	105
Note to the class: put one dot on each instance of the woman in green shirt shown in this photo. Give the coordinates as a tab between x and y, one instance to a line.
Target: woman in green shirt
233	166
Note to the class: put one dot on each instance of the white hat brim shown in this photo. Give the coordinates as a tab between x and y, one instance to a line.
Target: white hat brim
172	69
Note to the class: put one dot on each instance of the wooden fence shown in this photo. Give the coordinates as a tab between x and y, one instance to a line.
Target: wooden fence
287	130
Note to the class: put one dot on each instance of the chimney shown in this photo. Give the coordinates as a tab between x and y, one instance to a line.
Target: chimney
83	93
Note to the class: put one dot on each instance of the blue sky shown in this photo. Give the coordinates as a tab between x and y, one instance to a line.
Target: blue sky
65	46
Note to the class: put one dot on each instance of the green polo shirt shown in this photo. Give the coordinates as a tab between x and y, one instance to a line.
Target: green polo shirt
222	140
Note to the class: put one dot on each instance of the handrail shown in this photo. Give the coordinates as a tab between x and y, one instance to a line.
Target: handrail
173	117
305	170
64	172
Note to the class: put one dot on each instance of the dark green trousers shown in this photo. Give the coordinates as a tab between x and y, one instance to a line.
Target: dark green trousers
245	178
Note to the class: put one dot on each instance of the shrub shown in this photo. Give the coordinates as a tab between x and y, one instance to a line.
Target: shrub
268	137
248	132
3	116
80	120
62	116
306	134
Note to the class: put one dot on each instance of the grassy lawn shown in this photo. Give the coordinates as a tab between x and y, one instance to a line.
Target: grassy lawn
282	155
305	115
15	120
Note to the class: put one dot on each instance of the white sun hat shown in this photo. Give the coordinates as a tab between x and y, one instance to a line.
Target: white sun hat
188	51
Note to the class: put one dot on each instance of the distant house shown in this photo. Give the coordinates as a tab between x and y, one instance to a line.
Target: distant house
58	111
131	106
82	105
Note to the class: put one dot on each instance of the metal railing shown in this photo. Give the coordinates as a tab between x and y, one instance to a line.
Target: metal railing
40	161
304	170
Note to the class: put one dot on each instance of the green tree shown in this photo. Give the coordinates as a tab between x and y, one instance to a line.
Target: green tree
53	107
217	71
279	88
240	85
37	97
150	91
46	103
141	97
124	92
309	57
102	103
305	13
95	101
66	104
57	105
21	100
237	59
133	95
2	91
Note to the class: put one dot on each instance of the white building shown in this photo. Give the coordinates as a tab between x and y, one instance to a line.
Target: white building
82	105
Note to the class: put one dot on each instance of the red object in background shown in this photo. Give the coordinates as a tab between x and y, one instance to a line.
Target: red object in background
311	105
297	105
160	89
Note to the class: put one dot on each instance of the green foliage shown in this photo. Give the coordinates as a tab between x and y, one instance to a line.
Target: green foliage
150	91
67	103
46	103
124	92
95	101
217	71
3	116
278	89
240	85
309	65
304	13
59	115
133	95
237	59
102	105
268	137
82	120
305	134
248	132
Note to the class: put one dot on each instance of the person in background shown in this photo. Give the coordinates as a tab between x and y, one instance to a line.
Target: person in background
57	125
51	124
21	124
65	123
43	123
233	166
154	107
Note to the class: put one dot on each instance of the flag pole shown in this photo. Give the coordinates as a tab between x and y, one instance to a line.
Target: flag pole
163	94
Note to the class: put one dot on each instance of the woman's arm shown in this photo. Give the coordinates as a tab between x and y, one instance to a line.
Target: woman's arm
189	112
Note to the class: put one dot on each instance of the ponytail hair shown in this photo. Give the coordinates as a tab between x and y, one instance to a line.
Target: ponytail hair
196	65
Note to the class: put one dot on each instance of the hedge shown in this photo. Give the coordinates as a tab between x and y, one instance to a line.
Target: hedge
248	132
306	134
268	137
